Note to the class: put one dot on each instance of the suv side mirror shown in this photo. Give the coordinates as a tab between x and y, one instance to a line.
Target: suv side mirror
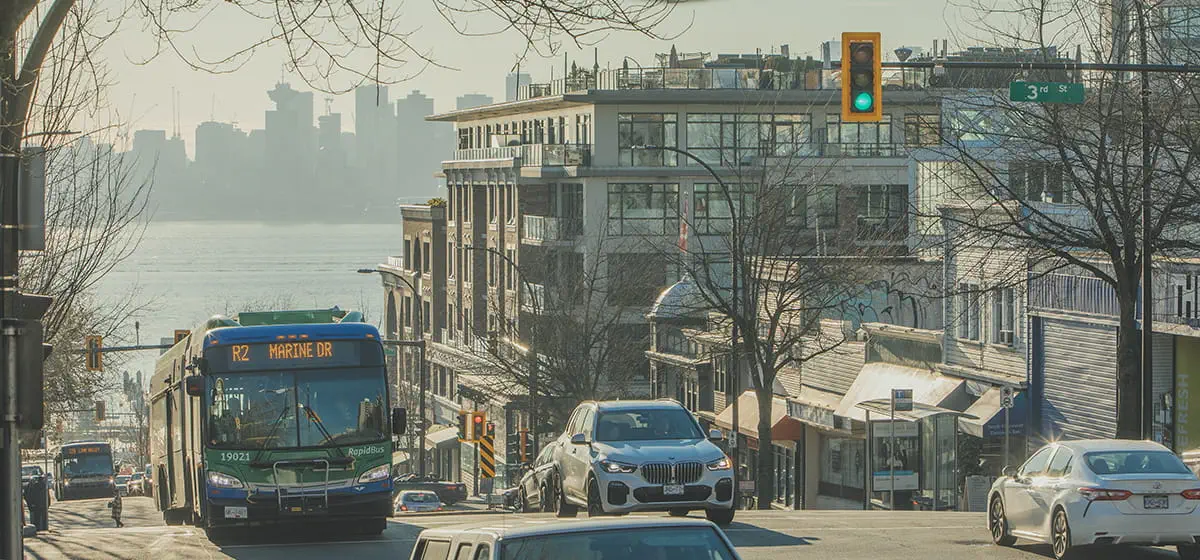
1010	472
716	435
579	439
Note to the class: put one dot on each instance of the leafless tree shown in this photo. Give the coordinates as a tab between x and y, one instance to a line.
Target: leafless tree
773	249
1064	183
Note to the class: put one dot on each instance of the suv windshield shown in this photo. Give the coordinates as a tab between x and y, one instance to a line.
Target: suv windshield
1135	462
648	424
31	471
312	408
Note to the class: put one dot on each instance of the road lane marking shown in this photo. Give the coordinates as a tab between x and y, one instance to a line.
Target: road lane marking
317	543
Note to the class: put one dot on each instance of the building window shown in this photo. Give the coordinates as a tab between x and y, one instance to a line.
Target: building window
426	316
821	208
968	311
450	202
408	246
450	261
646	129
426	257
858	139
643	208
922	129
491	268
415	264
464	138
408	312
882	210
642	277
725	139
1004	312
721	374
493	194
511	276
1035	181
452	319
711	207
510	199
1184	22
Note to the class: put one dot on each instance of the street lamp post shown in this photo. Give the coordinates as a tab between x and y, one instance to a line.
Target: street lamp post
735	255
420	344
534	364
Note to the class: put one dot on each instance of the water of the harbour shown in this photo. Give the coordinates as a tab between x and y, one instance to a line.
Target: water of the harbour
184	272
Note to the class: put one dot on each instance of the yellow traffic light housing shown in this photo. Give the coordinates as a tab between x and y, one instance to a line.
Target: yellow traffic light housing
94	344
862	77
478	420
464	427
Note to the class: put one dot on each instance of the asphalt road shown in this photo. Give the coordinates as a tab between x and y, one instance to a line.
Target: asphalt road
83	529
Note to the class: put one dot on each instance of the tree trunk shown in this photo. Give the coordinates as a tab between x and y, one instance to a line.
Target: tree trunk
765	482
1129	366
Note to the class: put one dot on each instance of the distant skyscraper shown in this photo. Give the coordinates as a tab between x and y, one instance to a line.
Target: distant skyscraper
290	150
472	100
375	142
513	83
422	146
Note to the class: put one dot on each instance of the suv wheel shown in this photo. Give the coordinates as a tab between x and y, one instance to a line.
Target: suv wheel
722	517
595	507
564	509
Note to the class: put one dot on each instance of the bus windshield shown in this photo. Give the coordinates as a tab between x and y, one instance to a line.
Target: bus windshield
288	409
82	465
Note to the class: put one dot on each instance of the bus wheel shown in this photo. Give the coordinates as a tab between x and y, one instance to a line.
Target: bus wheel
374	526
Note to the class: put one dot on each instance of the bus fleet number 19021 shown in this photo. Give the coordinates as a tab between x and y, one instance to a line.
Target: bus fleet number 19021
235	456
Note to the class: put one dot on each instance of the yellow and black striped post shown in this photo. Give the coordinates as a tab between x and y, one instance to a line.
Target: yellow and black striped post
487	456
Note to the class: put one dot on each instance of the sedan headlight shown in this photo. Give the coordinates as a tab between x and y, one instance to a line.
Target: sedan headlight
722	464
615	467
374	475
222	480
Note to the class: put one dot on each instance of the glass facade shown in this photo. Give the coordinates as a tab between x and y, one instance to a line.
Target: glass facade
643	208
635	130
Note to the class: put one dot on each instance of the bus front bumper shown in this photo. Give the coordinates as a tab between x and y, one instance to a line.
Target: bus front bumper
240	512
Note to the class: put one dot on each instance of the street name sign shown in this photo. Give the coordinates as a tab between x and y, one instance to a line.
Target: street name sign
1046	92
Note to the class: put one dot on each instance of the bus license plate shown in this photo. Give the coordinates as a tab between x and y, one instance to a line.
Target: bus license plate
235	512
1156	502
673	490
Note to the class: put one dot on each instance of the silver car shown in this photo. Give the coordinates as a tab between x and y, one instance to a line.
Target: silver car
1077	494
417	501
622	456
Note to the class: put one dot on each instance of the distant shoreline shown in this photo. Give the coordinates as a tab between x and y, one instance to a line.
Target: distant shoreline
274	222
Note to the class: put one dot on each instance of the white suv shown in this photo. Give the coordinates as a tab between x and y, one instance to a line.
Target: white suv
620	456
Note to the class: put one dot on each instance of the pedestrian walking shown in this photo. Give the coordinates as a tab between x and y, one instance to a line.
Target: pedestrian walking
115	506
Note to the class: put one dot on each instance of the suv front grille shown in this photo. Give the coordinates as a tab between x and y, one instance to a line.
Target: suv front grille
672	473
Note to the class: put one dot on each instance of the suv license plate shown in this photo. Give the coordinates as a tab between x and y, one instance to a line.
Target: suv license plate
235	512
1156	502
673	490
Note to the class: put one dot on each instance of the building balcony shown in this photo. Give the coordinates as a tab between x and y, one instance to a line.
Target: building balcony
882	229
531	155
546	229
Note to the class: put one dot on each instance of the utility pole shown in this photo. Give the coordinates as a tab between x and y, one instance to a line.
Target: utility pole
1147	378
11	546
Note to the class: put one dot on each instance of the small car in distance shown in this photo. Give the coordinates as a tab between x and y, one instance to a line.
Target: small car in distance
417	501
1098	493
123	484
593	539
137	484
449	493
535	487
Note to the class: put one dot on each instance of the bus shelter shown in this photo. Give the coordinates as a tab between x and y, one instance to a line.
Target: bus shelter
913	455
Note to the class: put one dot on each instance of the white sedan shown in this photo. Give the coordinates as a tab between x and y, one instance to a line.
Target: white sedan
1098	492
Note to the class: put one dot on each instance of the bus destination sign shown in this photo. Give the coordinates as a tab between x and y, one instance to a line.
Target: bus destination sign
291	354
85	450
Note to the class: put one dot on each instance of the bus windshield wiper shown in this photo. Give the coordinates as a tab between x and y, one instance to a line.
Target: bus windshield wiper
271	434
315	419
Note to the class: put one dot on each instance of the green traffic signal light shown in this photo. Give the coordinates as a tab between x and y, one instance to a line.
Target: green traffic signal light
864	101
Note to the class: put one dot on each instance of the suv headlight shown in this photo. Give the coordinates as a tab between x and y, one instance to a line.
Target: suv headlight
721	464
615	467
222	480
374	475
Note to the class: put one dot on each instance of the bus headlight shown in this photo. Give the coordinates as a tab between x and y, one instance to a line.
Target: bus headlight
222	480
374	475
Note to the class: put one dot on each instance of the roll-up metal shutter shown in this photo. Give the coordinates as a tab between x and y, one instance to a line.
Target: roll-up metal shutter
1080	376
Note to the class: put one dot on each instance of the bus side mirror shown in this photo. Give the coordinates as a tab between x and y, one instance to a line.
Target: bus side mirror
399	420
194	385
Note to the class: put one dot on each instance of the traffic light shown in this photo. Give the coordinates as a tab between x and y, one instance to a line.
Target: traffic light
95	356
464	427
512	448
478	419
525	446
862	83
99	411
490	430
181	334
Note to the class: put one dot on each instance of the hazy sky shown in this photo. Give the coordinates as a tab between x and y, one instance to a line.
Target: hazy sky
142	93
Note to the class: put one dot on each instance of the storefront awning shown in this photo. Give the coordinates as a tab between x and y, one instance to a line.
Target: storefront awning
783	427
989	421
877	379
815	408
441	437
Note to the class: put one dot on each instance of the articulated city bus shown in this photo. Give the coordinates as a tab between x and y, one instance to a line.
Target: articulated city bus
274	417
84	470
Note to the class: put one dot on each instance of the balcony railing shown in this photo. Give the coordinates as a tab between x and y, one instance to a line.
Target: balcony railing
533	298
1176	298
545	228
532	155
395	262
